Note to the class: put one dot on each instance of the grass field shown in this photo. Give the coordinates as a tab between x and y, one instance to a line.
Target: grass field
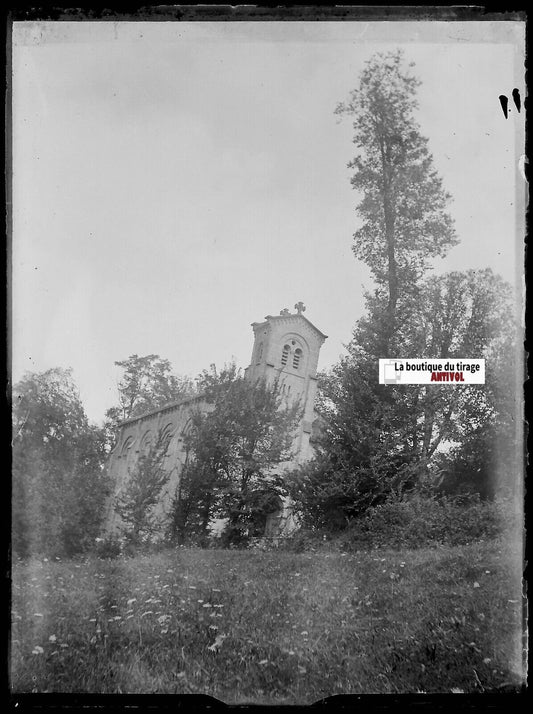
270	627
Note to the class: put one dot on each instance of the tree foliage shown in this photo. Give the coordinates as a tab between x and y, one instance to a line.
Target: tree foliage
456	315
59	487
138	504
194	499
235	450
403	204
147	383
381	441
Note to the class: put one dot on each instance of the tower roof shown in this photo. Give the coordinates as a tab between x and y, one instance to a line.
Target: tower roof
286	316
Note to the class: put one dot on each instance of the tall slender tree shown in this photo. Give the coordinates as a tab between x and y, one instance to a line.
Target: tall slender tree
380	440
402	201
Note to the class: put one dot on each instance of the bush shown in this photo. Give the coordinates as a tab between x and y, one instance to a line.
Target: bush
423	521
109	548
311	540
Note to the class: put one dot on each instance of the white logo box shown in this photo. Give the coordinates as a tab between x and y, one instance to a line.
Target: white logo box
453	371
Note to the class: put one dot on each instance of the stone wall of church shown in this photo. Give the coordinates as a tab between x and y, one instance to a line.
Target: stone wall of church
134	439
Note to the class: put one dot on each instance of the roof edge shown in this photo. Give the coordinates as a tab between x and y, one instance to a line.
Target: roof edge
170	405
268	318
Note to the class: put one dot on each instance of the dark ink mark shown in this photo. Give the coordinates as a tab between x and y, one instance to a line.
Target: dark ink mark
504	101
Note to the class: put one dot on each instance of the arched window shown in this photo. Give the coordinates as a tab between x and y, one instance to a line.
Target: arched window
297	357
260	352
126	446
146	442
285	355
166	436
187	429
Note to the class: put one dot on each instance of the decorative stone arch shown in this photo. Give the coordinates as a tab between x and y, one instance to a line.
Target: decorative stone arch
126	446
146	441
187	428
166	435
294	354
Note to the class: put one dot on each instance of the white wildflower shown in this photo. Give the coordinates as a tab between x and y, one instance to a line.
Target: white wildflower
217	643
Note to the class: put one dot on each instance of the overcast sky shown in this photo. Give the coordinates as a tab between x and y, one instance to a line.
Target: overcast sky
175	182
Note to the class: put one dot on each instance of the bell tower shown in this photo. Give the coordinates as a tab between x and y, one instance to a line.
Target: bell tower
286	347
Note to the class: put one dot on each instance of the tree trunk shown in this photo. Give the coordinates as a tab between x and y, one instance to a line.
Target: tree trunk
390	239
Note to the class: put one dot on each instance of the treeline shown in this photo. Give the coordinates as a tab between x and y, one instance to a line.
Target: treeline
60	488
382	443
59	485
63	496
377	445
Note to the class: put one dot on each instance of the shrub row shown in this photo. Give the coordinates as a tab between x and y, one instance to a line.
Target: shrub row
414	523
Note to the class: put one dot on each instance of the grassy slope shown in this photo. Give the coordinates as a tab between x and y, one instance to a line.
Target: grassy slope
270	627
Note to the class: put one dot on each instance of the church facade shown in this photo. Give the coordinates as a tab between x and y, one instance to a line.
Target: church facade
286	348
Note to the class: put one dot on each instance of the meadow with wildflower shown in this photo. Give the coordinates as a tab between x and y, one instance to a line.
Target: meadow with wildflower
269	627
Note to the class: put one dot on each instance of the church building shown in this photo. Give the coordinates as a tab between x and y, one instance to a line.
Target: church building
286	348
